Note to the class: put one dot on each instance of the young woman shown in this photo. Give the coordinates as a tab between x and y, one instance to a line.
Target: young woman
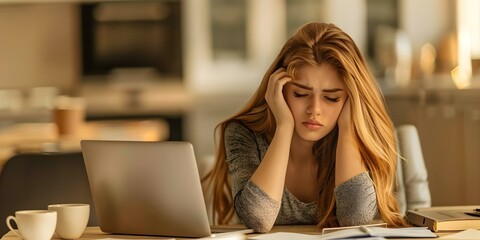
315	144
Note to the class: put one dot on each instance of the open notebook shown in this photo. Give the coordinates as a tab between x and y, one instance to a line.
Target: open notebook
147	188
353	232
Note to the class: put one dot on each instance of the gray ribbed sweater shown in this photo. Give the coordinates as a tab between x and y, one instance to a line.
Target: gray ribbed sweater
355	199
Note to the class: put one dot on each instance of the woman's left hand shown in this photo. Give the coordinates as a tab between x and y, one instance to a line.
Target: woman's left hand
348	158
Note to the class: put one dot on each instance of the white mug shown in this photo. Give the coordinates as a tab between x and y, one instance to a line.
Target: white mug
72	219
34	224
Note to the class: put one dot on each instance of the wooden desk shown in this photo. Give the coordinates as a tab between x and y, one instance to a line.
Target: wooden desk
95	233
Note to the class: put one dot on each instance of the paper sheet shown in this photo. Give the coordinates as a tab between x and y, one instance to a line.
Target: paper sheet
469	234
134	237
285	236
300	236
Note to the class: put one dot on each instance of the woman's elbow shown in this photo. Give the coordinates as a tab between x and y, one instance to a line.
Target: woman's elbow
356	219
260	227
357	216
259	222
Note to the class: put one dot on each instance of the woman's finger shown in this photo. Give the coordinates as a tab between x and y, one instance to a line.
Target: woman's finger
273	80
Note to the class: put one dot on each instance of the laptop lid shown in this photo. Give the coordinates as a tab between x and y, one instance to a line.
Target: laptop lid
146	188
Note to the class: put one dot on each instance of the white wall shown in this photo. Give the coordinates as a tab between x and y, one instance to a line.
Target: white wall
426	21
351	17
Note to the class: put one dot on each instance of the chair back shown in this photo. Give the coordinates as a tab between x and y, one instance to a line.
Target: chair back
412	179
33	181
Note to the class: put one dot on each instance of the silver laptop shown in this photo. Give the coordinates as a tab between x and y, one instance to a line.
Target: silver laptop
146	188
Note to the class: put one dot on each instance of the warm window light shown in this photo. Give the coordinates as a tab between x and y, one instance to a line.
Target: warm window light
464	68
474	24
468	24
468	30
461	77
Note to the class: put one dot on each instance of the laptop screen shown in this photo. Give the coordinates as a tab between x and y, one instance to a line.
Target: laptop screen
146	188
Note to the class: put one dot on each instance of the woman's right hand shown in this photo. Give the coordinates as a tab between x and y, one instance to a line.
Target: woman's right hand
275	99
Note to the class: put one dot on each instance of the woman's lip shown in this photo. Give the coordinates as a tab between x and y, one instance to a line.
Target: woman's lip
312	125
313	122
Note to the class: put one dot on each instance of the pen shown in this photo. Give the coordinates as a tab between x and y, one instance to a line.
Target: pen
477	209
366	230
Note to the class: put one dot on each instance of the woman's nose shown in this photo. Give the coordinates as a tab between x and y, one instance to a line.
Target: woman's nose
315	107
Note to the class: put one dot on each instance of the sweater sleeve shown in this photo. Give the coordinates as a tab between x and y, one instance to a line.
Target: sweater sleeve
255	208
356	201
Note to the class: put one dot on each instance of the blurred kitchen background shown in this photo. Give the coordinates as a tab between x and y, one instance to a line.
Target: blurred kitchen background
179	67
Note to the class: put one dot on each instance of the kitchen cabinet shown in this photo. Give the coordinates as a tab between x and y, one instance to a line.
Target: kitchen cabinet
448	123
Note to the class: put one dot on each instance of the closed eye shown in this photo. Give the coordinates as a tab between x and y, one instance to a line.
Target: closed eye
299	95
332	99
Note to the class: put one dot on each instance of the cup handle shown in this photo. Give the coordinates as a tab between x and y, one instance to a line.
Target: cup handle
9	218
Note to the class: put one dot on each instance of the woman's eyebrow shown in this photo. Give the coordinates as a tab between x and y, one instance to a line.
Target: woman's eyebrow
311	88
302	86
332	90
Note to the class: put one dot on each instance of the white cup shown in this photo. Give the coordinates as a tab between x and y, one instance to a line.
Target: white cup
72	219
34	224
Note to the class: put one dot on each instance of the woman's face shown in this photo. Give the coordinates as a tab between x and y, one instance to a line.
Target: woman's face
315	97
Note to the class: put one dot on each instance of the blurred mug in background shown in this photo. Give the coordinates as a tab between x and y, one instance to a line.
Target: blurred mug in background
69	115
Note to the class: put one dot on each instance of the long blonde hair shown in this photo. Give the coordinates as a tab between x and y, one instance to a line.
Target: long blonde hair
317	43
